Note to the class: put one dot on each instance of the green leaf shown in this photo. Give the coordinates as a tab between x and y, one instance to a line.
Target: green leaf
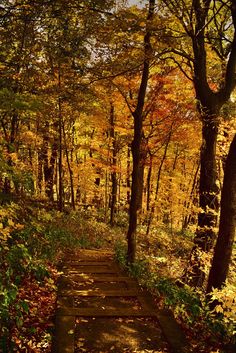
25	306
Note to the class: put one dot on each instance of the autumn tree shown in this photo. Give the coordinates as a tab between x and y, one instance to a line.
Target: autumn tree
138	141
209	51
19	44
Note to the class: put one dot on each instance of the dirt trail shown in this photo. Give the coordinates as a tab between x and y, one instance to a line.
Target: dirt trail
100	310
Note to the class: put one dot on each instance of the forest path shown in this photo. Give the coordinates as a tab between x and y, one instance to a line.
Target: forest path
101	309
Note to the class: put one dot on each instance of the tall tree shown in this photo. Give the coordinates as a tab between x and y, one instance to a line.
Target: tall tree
207	24
114	181
138	141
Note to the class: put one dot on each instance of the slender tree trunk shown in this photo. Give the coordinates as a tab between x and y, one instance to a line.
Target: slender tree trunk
7	186
49	164
158	183
30	152
143	156
175	159
119	185
11	147
40	172
106	201
188	216
137	141
44	155
69	168
149	176
128	184
50	173
225	240
114	185
114	189
14	130
60	186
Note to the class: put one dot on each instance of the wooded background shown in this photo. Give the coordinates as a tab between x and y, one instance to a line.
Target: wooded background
126	109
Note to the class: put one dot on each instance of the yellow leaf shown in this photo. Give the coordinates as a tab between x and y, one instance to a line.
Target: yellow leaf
219	309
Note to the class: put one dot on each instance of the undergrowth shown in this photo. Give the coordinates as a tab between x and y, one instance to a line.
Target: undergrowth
214	328
32	240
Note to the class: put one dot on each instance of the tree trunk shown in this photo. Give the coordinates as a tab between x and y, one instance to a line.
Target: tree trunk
40	172
187	214
151	214
7	186
143	156
225	240
69	168
60	185
208	202
114	189
114	186
106	201
137	141
128	184
44	154
49	164
149	175
50	171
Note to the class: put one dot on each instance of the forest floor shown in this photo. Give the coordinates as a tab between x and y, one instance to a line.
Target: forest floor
29	283
101	309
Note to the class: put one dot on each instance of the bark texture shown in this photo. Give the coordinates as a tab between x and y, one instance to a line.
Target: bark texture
225	240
